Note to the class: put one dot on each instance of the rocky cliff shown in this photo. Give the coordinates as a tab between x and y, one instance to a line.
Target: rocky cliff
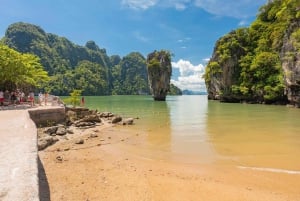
261	63
290	57
223	68
159	73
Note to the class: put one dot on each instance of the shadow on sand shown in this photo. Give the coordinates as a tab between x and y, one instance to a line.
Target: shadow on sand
44	190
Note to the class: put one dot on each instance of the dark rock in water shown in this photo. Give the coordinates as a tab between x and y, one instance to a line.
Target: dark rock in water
61	131
116	119
44	142
128	121
79	141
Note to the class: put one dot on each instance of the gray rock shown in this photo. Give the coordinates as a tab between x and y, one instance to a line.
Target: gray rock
83	124
93	135
116	119
43	143
91	118
51	130
128	121
79	141
71	116
61	131
106	114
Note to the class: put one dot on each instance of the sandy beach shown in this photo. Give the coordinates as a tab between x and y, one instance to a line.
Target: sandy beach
110	167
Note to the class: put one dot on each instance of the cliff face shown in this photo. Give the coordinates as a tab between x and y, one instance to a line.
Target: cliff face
259	64
223	69
159	74
290	57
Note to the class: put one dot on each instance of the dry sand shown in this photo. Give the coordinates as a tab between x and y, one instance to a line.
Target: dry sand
110	168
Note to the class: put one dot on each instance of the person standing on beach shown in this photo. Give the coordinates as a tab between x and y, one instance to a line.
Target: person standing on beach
31	98
1	98
7	96
82	101
13	97
46	98
40	98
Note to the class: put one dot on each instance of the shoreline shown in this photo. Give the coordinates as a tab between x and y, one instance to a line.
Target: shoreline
110	165
103	168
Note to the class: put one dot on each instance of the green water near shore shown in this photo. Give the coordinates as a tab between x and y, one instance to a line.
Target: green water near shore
194	130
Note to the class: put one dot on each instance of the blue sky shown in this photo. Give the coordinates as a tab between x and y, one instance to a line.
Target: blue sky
187	28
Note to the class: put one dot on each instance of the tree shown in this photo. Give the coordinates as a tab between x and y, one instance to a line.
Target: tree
74	98
20	70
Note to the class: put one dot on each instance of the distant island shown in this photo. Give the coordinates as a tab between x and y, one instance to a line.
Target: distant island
87	68
189	92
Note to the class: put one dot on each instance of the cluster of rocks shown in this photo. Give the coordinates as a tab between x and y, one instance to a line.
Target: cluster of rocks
83	117
77	118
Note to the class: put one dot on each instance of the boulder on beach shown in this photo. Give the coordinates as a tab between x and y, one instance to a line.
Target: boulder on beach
128	121
116	119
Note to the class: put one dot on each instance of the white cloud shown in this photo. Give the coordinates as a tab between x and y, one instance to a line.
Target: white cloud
190	76
145	4
241	9
139	4
179	4
206	60
230	8
140	37
243	23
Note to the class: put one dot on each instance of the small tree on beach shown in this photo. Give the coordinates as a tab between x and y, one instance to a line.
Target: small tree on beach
74	98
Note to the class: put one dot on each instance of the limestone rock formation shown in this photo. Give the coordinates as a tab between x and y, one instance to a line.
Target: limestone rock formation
159	73
259	64
290	57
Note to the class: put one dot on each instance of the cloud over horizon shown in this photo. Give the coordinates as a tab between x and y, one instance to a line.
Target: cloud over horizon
190	76
241	9
139	4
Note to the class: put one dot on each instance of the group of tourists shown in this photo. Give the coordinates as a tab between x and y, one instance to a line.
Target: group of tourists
15	97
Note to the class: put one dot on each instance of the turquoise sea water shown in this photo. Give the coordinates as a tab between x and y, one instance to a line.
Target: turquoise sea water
194	130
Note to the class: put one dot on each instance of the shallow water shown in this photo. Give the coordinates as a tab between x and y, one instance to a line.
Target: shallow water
192	129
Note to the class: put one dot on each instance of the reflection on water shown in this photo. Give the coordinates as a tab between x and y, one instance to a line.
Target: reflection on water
255	135
192	129
188	125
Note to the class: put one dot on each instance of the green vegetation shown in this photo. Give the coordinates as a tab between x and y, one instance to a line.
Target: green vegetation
159	73
130	75
74	98
71	66
174	90
247	63
20	70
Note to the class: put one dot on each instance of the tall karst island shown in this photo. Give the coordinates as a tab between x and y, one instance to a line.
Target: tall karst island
159	73
261	63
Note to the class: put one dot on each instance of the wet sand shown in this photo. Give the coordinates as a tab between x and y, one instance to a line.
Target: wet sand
111	167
